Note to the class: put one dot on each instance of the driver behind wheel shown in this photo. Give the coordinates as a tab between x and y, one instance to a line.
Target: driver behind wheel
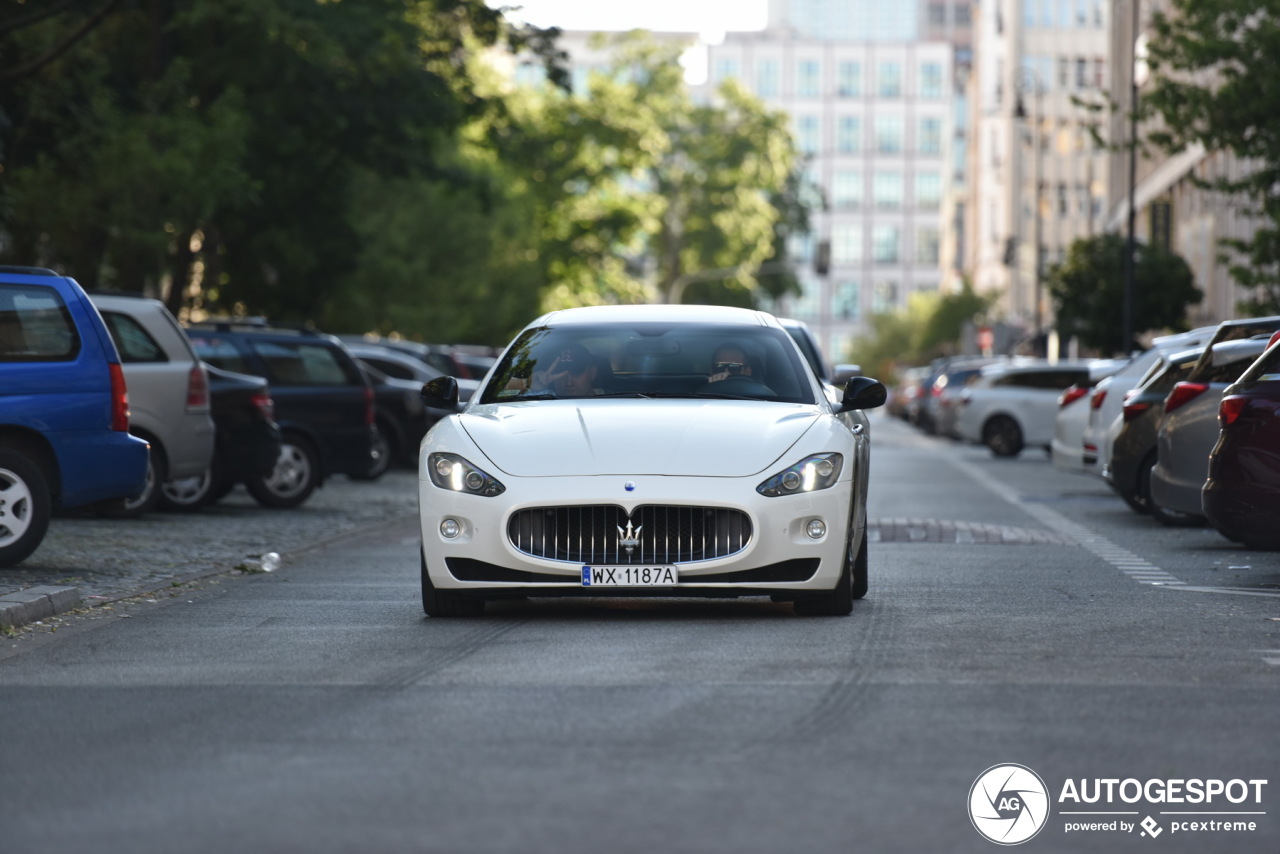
729	360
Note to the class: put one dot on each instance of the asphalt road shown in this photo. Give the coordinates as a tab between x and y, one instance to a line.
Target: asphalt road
1017	615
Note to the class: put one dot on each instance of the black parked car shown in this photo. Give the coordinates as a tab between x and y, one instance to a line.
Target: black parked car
246	442
400	419
1133	453
323	402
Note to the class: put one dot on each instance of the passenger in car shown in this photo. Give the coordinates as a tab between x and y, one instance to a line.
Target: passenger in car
571	374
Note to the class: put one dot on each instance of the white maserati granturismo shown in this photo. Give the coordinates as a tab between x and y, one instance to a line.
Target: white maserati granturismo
651	451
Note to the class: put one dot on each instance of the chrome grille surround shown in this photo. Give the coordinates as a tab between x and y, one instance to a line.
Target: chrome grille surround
592	534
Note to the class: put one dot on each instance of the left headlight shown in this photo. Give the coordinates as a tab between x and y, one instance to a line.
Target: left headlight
452	472
820	471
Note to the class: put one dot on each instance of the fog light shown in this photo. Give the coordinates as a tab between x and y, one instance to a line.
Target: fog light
450	528
816	529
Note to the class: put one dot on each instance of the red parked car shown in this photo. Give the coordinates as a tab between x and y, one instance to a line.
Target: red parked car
1241	497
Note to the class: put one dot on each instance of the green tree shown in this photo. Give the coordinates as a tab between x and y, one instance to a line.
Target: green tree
229	146
1087	289
931	325
1214	81
644	195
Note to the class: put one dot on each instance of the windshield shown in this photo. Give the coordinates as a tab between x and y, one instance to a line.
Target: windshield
649	360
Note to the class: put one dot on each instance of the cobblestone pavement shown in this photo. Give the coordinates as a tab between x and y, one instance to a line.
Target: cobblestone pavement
108	559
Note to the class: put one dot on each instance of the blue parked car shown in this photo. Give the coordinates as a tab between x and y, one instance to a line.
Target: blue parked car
64	410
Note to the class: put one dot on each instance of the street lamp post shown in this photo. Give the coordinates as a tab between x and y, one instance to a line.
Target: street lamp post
1029	80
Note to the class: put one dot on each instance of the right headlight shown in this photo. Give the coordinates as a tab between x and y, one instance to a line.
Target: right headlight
819	471
452	472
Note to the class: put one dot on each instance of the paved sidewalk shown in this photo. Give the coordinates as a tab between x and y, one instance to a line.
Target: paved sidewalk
86	560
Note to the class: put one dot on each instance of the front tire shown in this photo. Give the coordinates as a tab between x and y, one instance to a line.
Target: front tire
851	585
1003	436
438	603
383	453
291	482
25	506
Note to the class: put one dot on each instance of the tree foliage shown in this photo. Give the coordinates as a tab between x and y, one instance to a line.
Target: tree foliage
1214	81
360	165
1087	289
644	195
931	325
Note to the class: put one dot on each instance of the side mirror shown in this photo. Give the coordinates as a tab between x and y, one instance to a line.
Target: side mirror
863	393
441	393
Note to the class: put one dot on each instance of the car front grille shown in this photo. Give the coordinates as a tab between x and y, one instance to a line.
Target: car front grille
595	534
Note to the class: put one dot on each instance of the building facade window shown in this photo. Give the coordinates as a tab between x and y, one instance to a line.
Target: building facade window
931	81
768	78
846	243
884	297
725	68
889	79
928	187
887	190
928	245
848	301
886	243
889	134
809	78
849	80
929	138
849	134
808	133
846	190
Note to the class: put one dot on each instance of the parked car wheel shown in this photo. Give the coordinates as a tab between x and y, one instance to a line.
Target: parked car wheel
25	506
185	494
295	477
437	603
146	500
1003	436
383	453
1139	500
1175	519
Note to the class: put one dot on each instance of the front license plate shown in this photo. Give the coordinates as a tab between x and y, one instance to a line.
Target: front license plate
629	576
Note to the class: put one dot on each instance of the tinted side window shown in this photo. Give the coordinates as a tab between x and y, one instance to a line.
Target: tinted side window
303	363
221	353
391	369
1227	373
134	343
35	325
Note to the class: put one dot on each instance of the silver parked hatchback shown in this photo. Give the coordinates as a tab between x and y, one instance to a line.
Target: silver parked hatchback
168	392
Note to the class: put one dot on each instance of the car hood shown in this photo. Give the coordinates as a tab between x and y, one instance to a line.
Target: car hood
721	438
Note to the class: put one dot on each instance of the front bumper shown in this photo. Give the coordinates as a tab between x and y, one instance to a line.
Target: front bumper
780	555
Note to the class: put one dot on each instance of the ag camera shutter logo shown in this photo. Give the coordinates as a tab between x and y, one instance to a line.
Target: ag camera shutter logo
1008	804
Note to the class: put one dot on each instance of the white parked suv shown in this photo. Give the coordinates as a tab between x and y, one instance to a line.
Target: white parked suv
168	392
1012	405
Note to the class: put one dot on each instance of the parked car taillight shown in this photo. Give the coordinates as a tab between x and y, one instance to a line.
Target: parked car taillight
197	389
1099	395
1133	410
1071	395
119	399
1229	410
1182	393
368	406
265	404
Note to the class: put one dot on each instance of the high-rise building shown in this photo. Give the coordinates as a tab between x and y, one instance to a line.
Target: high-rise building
1039	165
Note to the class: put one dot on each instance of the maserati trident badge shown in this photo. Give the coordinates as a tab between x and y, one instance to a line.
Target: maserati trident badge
629	538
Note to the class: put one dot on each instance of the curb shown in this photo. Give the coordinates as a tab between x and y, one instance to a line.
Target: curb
35	604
